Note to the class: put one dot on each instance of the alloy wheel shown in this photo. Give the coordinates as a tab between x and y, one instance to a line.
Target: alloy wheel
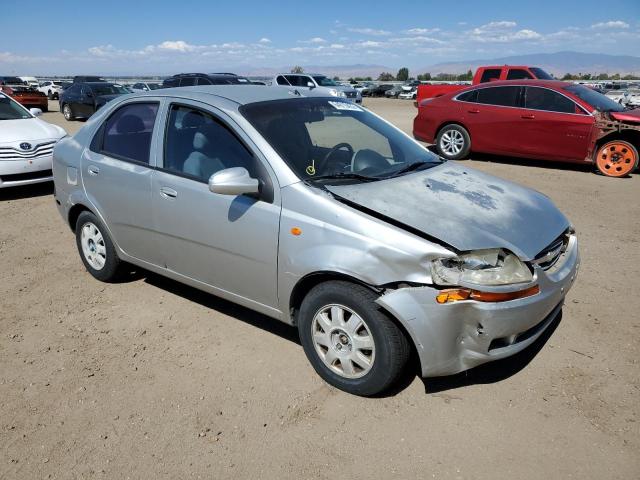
452	142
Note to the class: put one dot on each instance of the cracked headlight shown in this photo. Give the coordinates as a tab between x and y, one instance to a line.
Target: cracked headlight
482	267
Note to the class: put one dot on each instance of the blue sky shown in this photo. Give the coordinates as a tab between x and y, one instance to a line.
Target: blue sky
161	37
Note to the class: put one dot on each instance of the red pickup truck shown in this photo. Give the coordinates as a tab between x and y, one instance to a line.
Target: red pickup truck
484	74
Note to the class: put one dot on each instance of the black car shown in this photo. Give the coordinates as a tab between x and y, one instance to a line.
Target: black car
83	99
191	79
87	78
379	90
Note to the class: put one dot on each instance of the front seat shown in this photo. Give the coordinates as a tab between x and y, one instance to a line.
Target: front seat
203	161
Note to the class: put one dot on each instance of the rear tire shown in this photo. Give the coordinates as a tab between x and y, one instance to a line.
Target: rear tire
616	158
96	248
349	340
453	142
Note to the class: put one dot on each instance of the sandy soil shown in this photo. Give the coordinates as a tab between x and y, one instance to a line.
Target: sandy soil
151	379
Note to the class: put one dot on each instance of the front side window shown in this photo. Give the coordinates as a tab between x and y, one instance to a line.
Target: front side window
187	81
544	99
335	141
518	74
127	132
324	81
298	80
198	145
204	81
501	96
490	74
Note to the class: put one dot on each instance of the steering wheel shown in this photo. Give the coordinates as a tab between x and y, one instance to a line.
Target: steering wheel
324	163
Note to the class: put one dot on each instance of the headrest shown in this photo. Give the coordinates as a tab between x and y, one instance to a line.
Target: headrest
130	124
206	136
192	119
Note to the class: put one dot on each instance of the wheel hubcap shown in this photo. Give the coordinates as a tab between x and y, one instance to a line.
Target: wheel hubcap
616	159
93	247
452	142
343	341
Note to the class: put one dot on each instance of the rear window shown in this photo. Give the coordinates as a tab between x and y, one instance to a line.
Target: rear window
127	133
490	74
541	74
518	74
502	96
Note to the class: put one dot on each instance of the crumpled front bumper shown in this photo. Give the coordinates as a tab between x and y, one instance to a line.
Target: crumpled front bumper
454	337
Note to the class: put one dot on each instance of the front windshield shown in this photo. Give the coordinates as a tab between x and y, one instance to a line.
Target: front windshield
109	89
600	102
324	81
335	141
10	110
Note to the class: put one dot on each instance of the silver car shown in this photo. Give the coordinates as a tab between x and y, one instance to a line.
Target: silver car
318	213
315	85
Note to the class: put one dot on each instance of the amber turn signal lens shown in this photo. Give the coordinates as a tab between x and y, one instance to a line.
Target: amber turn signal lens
296	231
448	296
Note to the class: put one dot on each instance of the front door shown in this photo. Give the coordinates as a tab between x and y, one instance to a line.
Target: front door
227	242
116	173
556	127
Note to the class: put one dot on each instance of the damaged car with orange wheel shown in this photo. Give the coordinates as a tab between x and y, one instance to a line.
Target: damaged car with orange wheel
320	214
538	119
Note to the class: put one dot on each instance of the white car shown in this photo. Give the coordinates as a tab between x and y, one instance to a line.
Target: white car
145	86
629	98
26	144
31	81
51	89
409	94
316	85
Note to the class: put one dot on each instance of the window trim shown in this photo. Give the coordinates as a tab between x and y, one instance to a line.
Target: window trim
100	133
267	193
455	99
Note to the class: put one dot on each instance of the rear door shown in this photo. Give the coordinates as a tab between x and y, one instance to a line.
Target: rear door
86	102
116	174
491	117
554	126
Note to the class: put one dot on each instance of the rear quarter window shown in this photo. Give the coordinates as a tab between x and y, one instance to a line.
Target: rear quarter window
471	96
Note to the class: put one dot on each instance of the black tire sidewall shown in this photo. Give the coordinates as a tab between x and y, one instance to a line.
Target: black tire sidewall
386	368
110	271
465	135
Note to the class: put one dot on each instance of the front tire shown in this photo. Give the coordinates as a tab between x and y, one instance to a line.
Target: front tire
349	340
68	112
96	248
616	158
453	142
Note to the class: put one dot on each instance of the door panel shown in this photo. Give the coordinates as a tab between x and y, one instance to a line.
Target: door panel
228	242
550	134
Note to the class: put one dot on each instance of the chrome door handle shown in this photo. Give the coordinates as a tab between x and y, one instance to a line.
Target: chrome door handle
168	192
93	170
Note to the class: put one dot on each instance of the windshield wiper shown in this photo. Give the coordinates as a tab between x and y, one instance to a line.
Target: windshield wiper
409	168
344	175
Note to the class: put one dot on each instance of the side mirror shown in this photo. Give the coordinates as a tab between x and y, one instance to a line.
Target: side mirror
36	112
311	85
233	181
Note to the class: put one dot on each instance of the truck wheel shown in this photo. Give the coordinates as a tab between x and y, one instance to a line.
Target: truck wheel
350	342
616	158
453	142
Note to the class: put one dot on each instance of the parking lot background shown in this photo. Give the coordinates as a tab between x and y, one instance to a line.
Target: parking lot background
153	379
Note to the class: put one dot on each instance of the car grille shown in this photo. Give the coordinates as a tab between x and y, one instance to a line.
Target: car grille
548	257
351	94
40	150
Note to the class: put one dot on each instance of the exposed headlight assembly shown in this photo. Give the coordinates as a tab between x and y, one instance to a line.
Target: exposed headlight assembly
480	268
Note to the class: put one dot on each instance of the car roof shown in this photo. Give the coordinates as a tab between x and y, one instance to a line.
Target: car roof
240	94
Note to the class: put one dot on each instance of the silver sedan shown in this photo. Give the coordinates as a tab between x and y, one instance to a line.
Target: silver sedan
318	213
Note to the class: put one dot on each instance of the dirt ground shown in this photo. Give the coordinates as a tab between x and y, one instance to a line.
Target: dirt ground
152	379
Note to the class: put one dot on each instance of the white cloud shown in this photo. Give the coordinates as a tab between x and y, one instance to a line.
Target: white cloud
337	46
611	24
314	40
420	31
370	31
264	40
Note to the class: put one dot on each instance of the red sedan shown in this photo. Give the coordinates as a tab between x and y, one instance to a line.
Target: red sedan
543	119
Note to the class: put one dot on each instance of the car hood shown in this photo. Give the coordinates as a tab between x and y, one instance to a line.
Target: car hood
462	207
627	116
28	130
